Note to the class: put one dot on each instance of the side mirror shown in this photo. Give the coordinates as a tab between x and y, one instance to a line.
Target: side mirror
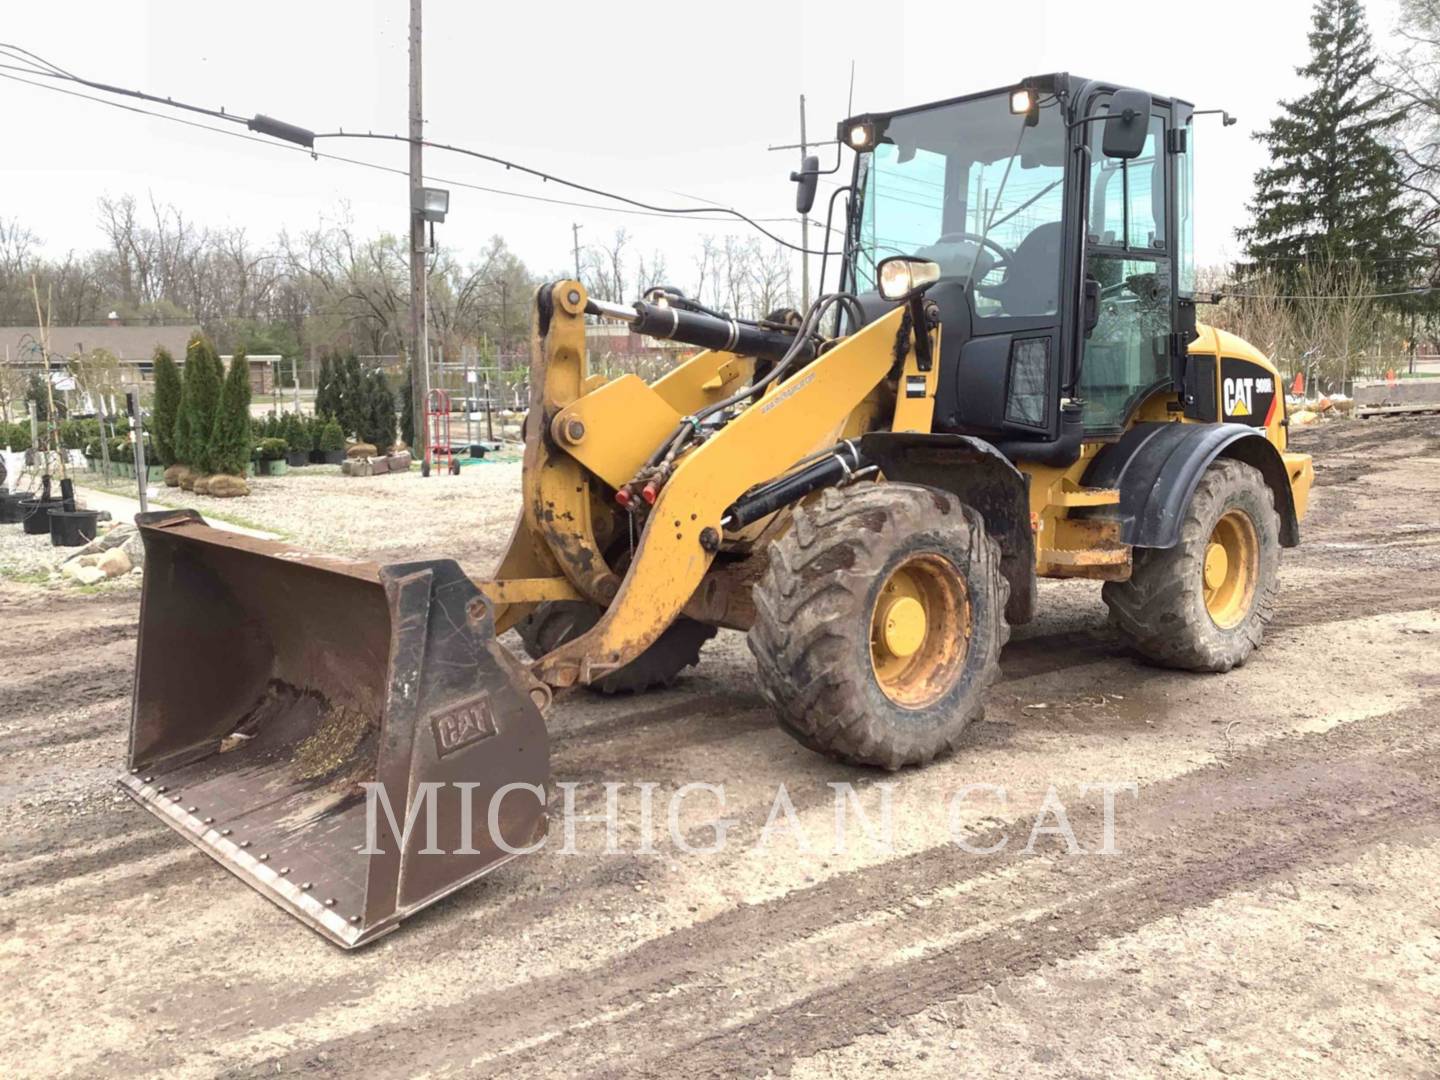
902	276
1127	125
807	178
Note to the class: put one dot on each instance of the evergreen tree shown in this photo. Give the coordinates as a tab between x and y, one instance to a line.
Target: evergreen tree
351	409
1333	190
230	441
166	408
199	398
407	412
331	437
325	388
379	427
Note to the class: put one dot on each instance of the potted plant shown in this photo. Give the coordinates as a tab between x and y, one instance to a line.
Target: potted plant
332	443
122	456
269	457
296	433
314	427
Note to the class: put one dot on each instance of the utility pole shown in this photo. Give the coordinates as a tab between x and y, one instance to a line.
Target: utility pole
804	147
419	334
804	225
575	232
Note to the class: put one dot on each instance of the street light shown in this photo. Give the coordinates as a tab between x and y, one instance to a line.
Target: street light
432	203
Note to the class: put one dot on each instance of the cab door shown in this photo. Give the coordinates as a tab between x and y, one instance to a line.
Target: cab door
1130	256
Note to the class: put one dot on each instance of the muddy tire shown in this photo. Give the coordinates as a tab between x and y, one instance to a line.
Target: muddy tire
836	593
1195	607
555	622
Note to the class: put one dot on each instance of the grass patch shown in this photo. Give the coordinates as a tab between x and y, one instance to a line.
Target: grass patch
24	577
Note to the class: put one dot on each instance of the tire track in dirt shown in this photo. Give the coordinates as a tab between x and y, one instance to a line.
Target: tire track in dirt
1201	835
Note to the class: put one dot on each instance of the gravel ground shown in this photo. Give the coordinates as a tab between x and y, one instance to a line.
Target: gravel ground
34	560
466	517
1271	905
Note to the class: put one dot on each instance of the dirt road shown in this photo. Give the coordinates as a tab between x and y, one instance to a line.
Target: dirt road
1271	905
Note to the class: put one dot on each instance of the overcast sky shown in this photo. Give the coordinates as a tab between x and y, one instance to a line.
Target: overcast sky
670	104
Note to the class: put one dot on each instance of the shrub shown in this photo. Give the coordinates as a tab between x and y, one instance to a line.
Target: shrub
314	426
199	400
352	410
16	436
121	450
331	437
407	411
378	428
230	440
271	449
292	430
166	408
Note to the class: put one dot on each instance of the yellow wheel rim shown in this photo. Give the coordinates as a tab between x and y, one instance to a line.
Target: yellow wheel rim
920	630
1231	568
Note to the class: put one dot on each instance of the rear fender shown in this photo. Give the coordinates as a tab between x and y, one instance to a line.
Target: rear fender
1156	467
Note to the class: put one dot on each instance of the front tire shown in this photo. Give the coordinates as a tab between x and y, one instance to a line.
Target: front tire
1203	604
555	622
879	623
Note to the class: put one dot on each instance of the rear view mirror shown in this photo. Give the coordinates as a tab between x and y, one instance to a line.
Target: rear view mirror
807	178
1127	124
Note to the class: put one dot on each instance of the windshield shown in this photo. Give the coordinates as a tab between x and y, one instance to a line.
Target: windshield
974	188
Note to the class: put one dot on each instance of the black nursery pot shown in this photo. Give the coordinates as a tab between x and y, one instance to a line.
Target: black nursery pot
317	457
296	458
12	506
37	515
73	528
334	457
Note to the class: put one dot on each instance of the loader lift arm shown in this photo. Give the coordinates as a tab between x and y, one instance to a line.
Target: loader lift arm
683	530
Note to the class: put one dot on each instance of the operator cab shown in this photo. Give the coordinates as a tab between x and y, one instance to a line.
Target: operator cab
1066	273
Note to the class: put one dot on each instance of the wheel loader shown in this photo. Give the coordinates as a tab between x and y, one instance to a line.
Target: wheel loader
1007	383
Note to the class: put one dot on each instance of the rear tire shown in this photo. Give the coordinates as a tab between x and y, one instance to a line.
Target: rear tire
555	622
1192	607
847	675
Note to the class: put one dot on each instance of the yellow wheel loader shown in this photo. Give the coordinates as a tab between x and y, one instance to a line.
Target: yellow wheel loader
1008	383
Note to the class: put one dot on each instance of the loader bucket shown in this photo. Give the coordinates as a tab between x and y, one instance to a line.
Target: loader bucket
283	699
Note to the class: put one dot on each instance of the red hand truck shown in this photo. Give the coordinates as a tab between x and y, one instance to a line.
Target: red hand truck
437	435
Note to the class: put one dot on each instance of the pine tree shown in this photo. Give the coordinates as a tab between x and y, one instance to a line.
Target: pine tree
166	408
407	413
379	427
230	440
325	388
351	409
1333	190
199	399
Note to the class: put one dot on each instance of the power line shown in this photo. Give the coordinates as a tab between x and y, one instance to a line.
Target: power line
352	161
1419	291
545	177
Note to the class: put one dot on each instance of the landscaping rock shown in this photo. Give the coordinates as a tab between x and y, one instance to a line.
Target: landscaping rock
227	487
85	575
360	450
400	462
114	563
358	467
379	466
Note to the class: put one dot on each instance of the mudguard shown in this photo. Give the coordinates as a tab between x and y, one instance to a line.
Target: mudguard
980	476
1156	467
